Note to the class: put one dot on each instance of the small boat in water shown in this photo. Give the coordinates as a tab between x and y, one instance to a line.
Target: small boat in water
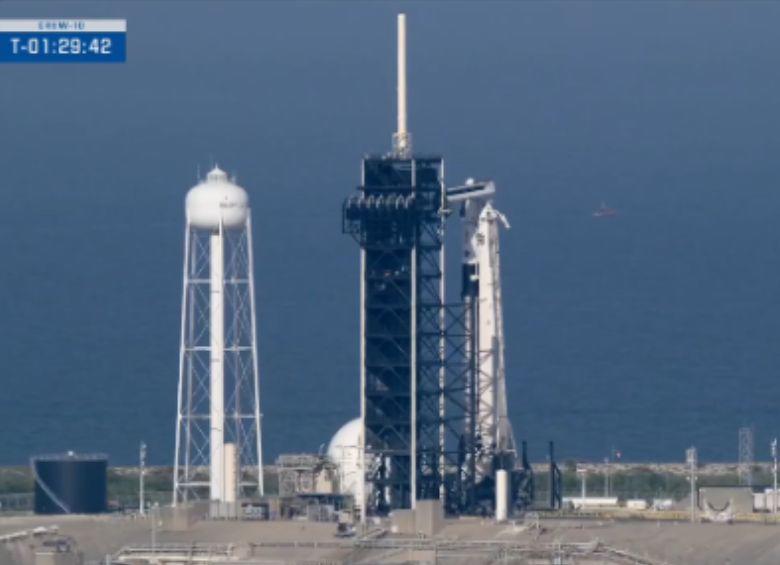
605	211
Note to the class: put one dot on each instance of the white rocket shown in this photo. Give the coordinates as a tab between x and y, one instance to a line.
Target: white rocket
482	295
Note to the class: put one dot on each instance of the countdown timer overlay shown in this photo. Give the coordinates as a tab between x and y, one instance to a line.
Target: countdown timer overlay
63	41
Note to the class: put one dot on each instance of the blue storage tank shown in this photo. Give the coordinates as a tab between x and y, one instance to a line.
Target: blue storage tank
70	483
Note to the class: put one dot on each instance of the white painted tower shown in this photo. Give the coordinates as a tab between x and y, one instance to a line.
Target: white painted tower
218	433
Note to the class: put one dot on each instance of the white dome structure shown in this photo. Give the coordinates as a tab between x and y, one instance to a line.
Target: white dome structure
215	199
344	451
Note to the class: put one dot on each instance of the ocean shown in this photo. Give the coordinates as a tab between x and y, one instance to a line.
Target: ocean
646	333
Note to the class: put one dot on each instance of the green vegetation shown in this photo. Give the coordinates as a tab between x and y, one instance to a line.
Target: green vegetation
123	485
15	480
642	482
636	482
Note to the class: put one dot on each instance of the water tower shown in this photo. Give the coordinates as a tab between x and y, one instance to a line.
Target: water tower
218	440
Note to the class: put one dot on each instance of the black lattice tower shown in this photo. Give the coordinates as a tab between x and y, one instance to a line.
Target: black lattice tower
397	218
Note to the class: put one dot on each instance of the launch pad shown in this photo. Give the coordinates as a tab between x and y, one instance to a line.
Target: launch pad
119	541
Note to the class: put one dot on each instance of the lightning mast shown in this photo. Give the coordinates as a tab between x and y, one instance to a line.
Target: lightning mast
402	139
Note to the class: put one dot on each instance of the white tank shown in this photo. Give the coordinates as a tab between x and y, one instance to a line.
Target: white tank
344	451
214	199
502	495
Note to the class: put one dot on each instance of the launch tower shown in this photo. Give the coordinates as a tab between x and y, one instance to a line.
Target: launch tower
433	383
397	217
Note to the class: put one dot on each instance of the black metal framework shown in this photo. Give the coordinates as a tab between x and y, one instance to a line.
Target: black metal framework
477	493
419	356
471	442
460	418
555	481
523	484
397	218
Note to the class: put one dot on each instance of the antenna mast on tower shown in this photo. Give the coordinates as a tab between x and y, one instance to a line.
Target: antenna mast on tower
402	139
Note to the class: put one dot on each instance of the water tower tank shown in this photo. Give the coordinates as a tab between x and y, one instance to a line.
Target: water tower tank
70	483
217	198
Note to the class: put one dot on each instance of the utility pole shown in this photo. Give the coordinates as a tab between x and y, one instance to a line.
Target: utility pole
141	476
774	476
746	457
691	459
606	477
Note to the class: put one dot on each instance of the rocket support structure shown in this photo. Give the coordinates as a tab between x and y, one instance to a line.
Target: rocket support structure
432	374
489	444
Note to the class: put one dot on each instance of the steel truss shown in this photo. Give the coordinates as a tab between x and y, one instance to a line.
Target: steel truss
433	399
241	384
487	443
461	402
397	217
